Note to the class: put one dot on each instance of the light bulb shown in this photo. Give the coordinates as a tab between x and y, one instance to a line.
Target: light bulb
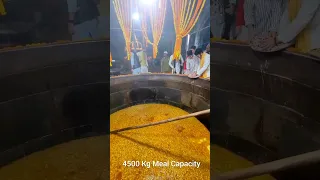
135	16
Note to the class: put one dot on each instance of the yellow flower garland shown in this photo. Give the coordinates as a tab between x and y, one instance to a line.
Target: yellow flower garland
123	11
157	15
185	17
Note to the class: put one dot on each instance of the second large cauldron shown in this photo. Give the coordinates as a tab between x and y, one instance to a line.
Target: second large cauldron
266	105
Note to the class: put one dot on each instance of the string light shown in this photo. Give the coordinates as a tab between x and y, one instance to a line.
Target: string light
185	16
136	16
157	13
123	11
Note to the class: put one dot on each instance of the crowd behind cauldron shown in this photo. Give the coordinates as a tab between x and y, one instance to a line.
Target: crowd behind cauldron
196	63
269	25
48	21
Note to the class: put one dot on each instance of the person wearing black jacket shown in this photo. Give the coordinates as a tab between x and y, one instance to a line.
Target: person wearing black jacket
229	17
135	63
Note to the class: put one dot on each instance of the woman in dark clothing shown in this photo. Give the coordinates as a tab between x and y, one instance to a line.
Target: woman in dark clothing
229	17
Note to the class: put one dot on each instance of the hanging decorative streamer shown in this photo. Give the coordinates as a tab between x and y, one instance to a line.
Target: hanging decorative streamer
123	11
185	15
110	59
157	13
2	9
145	42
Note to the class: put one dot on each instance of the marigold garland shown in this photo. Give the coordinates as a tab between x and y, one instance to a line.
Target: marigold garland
110	59
157	13
185	15
123	11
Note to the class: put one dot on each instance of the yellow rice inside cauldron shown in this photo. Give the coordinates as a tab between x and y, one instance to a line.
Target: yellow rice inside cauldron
181	141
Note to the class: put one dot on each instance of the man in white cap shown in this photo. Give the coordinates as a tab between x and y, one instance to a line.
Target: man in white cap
165	68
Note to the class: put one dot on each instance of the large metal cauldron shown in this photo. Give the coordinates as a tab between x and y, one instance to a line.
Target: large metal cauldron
52	94
266	105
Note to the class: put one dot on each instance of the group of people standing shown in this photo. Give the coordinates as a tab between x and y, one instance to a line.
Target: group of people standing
241	19
196	63
285	21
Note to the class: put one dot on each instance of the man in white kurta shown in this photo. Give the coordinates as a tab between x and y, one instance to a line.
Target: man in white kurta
178	63
204	67
307	17
192	63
